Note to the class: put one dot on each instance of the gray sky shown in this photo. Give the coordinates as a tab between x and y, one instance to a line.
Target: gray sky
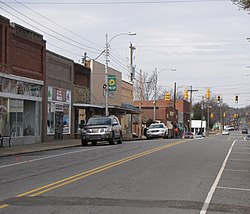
205	41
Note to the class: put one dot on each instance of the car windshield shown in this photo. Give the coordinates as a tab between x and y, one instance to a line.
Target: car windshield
153	126
99	121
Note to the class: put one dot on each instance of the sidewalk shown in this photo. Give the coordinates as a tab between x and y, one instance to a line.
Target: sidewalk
28	148
45	146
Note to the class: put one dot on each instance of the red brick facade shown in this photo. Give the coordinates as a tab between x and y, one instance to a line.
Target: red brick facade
164	110
22	51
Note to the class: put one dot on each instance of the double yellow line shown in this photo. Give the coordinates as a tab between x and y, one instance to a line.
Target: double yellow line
63	182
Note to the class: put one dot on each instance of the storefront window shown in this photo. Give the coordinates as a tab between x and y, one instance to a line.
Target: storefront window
51	118
66	119
16	118
4	124
6	85
1	84
35	90
29	118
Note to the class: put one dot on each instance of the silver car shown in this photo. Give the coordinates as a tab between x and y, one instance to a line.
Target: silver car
157	130
102	129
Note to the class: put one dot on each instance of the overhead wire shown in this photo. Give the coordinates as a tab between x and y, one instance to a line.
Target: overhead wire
120	3
48	29
81	37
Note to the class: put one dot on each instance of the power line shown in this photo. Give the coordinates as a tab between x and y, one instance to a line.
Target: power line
48	29
119	3
57	24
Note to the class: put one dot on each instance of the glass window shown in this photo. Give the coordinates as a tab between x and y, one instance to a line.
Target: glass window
66	119
26	89
51	119
16	118
4	123
6	85
38	119
29	118
35	90
13	87
1	84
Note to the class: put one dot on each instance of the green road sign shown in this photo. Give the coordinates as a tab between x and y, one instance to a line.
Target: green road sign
112	82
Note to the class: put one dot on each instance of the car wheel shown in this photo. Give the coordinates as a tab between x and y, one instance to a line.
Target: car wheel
165	136
84	142
120	139
112	140
94	143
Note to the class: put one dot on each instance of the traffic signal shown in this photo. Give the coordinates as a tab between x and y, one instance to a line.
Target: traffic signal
236	99
185	94
218	99
208	93
212	115
167	96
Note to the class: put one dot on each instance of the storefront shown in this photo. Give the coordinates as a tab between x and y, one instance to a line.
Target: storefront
20	108
58	112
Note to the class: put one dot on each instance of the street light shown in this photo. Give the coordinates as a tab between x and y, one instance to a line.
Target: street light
155	86
106	66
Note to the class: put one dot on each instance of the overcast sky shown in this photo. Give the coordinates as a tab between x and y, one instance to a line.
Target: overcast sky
205	41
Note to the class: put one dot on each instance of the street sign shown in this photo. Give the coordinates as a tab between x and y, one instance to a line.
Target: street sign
112	83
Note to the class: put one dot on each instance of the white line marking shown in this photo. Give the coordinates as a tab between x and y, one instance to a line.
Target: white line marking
236	170
48	157
212	190
241	147
243	153
238	160
230	188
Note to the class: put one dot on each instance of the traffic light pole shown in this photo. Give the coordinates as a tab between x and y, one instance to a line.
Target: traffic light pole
174	119
191	99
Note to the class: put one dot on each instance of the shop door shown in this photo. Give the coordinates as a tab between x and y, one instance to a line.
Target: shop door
59	125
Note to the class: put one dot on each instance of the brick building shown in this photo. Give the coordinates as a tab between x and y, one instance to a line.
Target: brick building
164	112
22	74
183	108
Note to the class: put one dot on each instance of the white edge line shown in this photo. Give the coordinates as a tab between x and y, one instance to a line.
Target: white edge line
231	188
51	156
212	190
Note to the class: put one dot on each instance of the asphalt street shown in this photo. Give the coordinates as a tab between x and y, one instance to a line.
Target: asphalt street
210	175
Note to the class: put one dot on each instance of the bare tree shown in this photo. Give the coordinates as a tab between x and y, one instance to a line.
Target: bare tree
147	83
244	4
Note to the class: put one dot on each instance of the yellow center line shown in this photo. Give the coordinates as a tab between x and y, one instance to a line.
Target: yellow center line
4	206
68	180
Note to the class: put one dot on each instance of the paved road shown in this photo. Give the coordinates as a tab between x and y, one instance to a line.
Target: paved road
158	176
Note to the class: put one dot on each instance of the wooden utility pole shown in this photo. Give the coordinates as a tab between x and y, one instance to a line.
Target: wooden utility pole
140	104
191	99
174	119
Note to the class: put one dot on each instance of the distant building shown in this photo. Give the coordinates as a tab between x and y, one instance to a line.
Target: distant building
183	108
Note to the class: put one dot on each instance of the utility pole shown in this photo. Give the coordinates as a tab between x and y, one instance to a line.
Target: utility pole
174	119
202	106
191	99
106	75
140	104
155	91
208	118
132	74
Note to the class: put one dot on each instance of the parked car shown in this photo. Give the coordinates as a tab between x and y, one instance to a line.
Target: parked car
101	128
157	130
247	137
244	131
225	132
188	135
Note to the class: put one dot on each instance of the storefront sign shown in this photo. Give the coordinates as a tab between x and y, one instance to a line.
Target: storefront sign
50	93
59	96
